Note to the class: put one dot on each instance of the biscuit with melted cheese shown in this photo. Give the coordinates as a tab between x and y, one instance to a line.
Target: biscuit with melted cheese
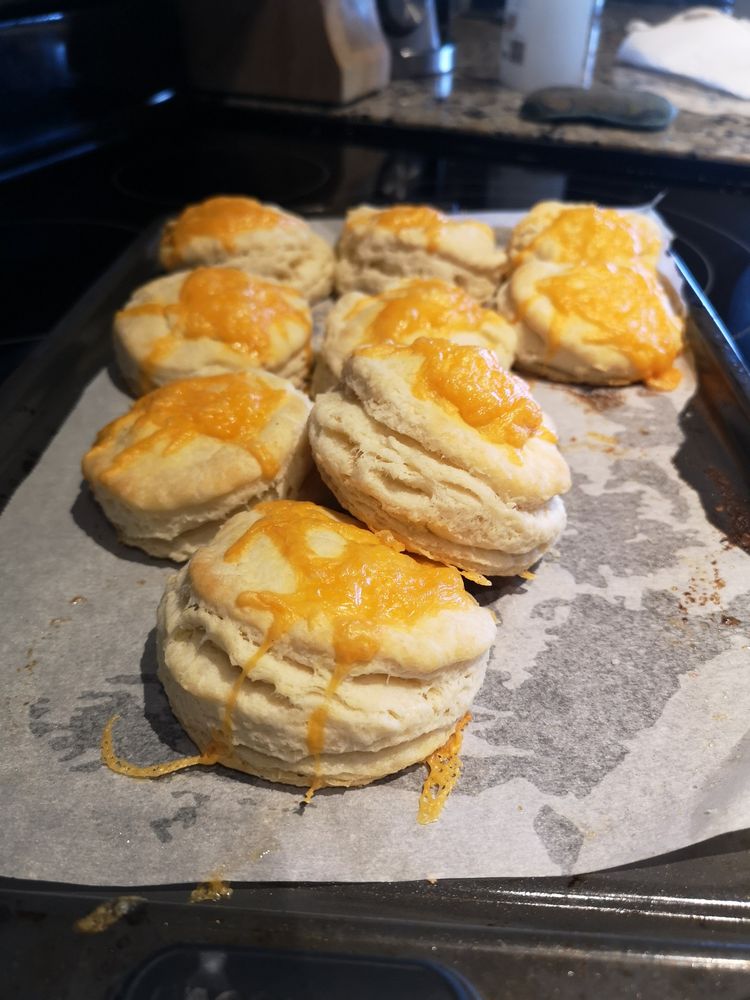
272	243
417	307
209	321
585	234
598	324
187	456
439	446
298	647
380	246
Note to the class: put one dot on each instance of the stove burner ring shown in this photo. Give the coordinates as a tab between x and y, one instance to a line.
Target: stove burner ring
173	177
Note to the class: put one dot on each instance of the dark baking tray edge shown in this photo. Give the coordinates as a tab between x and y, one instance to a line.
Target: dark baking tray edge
687	910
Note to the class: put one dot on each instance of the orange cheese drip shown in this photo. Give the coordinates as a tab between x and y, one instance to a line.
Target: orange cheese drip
443	771
425	307
213	890
226	305
234	691
431	222
351	583
229	408
626	308
116	763
223	219
469	382
666	381
143	309
107	914
591	235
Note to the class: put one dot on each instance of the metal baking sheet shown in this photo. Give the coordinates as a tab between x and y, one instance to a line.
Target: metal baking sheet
626	649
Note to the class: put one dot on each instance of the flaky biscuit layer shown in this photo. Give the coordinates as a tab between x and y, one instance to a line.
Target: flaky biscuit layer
389	712
352	316
150	351
406	466
167	496
371	257
289	252
569	347
621	237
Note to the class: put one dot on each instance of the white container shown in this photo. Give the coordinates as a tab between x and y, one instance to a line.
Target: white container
545	43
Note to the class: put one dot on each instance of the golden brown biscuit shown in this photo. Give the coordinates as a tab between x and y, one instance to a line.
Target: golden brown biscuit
300	648
380	246
585	234
599	324
417	307
272	243
208	321
187	456
442	448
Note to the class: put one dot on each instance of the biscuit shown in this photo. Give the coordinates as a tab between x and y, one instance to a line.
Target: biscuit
417	307
298	647
437	445
272	243
208	321
187	456
380	246
598	324
585	234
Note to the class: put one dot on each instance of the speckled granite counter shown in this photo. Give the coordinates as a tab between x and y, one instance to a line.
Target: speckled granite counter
473	103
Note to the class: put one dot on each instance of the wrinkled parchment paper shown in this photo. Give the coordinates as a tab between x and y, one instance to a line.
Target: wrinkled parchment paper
613	724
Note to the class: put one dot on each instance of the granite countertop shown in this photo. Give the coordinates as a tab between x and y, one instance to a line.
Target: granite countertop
472	101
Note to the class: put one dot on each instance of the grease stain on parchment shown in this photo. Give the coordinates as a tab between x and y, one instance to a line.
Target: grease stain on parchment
568	724
148	731
561	837
183	818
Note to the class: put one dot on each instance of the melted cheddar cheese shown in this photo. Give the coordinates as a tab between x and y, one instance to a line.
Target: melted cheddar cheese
347	578
443	771
223	219
229	408
429	221
227	305
424	307
213	890
587	234
624	308
355	585
116	763
469	383
106	914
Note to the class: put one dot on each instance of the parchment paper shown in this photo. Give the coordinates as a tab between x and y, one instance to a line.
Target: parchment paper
613	724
